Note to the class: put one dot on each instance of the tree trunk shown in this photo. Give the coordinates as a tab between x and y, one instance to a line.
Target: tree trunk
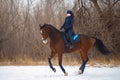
98	9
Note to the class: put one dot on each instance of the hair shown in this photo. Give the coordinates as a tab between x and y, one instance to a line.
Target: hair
101	47
51	27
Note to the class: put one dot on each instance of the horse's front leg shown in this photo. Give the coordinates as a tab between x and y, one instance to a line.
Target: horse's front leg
49	61
60	64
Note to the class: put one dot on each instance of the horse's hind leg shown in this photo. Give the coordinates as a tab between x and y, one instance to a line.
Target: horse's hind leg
84	62
82	68
49	61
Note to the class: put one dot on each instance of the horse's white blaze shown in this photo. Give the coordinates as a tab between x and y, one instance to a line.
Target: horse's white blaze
41	31
45	41
42	38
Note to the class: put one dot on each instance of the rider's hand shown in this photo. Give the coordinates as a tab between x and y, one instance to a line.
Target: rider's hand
61	28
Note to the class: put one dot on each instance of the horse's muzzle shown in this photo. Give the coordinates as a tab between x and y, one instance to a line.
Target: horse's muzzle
44	41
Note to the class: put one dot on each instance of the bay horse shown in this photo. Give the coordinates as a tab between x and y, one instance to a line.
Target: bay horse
57	46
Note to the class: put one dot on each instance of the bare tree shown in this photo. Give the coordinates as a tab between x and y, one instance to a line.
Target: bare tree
20	39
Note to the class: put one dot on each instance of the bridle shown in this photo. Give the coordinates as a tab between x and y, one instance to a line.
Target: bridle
43	40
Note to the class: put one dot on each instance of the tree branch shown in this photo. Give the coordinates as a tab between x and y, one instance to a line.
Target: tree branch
114	3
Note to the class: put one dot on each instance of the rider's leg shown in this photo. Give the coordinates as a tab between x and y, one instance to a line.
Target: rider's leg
67	39
70	32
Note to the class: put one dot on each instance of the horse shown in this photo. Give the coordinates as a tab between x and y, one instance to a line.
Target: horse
57	46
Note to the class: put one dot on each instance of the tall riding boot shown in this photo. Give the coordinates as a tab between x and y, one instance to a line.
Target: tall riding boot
71	43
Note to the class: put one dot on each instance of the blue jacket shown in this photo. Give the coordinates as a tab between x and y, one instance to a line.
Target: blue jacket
69	21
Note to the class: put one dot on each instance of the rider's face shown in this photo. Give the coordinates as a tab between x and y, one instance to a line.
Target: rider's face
68	14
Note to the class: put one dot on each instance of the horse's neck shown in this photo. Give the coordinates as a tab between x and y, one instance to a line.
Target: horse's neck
55	35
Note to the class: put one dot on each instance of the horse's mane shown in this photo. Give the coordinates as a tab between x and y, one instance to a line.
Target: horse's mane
52	27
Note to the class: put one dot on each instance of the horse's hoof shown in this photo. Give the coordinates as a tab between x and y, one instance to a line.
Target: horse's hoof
80	72
54	69
66	74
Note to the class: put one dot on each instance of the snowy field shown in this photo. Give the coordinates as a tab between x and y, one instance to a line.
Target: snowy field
45	73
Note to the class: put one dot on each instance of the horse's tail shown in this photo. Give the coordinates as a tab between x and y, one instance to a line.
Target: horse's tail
101	47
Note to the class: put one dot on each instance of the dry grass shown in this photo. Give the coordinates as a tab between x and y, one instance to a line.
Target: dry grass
66	61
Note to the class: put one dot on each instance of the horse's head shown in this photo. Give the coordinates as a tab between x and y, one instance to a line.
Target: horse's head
44	30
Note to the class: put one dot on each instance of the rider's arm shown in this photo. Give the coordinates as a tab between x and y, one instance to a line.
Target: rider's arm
62	26
70	25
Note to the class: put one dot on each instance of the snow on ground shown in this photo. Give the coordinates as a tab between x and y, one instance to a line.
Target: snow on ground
45	73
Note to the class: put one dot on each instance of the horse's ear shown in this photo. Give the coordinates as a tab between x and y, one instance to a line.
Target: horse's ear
41	26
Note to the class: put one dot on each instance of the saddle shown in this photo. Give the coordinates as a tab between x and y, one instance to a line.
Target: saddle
75	38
